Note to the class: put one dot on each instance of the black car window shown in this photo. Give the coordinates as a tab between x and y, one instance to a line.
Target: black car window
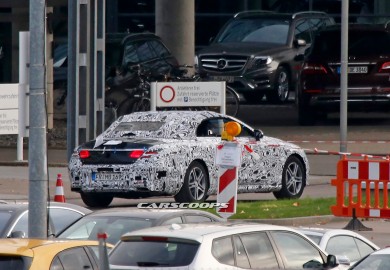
255	30
130	54
62	218
260	251
222	250
303	30
210	128
75	258
15	262
144	51
159	48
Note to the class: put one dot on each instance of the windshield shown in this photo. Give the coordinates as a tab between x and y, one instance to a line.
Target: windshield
115	227
152	253
15	262
255	30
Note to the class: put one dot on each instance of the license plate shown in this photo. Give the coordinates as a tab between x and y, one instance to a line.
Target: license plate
228	79
105	176
357	69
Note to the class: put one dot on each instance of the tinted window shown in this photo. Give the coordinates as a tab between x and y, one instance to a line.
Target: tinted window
222	250
260	250
75	258
364	248
14	262
4	219
296	250
62	218
303	30
159	48
144	52
130	54
153	253
255	30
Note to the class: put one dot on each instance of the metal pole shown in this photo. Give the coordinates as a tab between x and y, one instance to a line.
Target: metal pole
38	178
344	76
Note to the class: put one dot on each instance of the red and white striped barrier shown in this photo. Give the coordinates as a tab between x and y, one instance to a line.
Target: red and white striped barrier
369	170
317	151
227	191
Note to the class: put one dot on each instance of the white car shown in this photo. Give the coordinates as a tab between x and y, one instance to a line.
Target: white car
341	242
219	246
377	260
173	153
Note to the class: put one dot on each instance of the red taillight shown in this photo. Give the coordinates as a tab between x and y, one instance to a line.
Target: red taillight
84	154
385	68
314	69
136	153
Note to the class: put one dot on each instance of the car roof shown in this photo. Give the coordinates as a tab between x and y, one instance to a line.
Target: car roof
196	231
148	213
25	246
22	206
385	251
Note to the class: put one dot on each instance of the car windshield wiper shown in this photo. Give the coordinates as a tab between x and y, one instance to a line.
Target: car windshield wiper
151	264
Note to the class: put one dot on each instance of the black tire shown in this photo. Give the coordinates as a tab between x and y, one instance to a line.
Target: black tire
96	199
253	98
282	86
196	184
232	102
293	179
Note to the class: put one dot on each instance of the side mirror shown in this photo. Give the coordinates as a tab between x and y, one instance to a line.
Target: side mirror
258	134
342	259
331	261
300	42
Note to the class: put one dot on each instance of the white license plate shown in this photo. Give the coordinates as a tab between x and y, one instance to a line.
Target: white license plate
228	79
105	176
357	69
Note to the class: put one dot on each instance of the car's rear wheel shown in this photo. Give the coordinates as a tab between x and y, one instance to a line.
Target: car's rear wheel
196	184
293	179
281	89
96	199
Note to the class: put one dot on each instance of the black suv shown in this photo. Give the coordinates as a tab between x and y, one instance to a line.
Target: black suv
255	52
368	72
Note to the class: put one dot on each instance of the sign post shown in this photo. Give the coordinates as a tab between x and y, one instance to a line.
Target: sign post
228	160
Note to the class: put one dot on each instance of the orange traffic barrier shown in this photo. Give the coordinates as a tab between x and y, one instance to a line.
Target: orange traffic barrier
362	188
59	196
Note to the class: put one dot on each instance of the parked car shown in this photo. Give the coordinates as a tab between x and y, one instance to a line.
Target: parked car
341	242
117	221
255	52
368	72
377	260
173	153
219	246
14	218
39	254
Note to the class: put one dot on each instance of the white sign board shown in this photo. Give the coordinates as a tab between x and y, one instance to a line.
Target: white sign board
9	116
228	155
187	94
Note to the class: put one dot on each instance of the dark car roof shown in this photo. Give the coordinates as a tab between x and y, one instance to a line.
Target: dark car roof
139	36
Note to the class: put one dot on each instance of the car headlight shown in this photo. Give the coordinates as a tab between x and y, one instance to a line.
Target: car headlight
259	61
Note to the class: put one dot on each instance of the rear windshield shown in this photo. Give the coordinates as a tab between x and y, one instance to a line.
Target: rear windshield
359	43
152	254
15	262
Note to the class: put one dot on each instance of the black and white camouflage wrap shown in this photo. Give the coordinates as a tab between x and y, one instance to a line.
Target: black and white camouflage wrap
177	147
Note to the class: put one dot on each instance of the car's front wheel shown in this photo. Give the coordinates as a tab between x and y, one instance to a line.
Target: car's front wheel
293	179
195	185
96	199
281	89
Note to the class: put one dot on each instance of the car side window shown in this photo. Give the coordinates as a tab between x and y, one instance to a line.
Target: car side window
159	48
303	31
210	128
197	219
73	258
144	51
62	218
22	224
222	250
130	54
296	250
260	251
177	220
364	248
343	245
240	253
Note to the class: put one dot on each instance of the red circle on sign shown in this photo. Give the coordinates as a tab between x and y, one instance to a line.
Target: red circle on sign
169	94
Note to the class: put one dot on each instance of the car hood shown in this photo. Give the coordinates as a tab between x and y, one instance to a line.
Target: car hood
241	48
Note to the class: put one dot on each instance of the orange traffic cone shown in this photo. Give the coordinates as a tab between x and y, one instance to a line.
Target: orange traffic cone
59	196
